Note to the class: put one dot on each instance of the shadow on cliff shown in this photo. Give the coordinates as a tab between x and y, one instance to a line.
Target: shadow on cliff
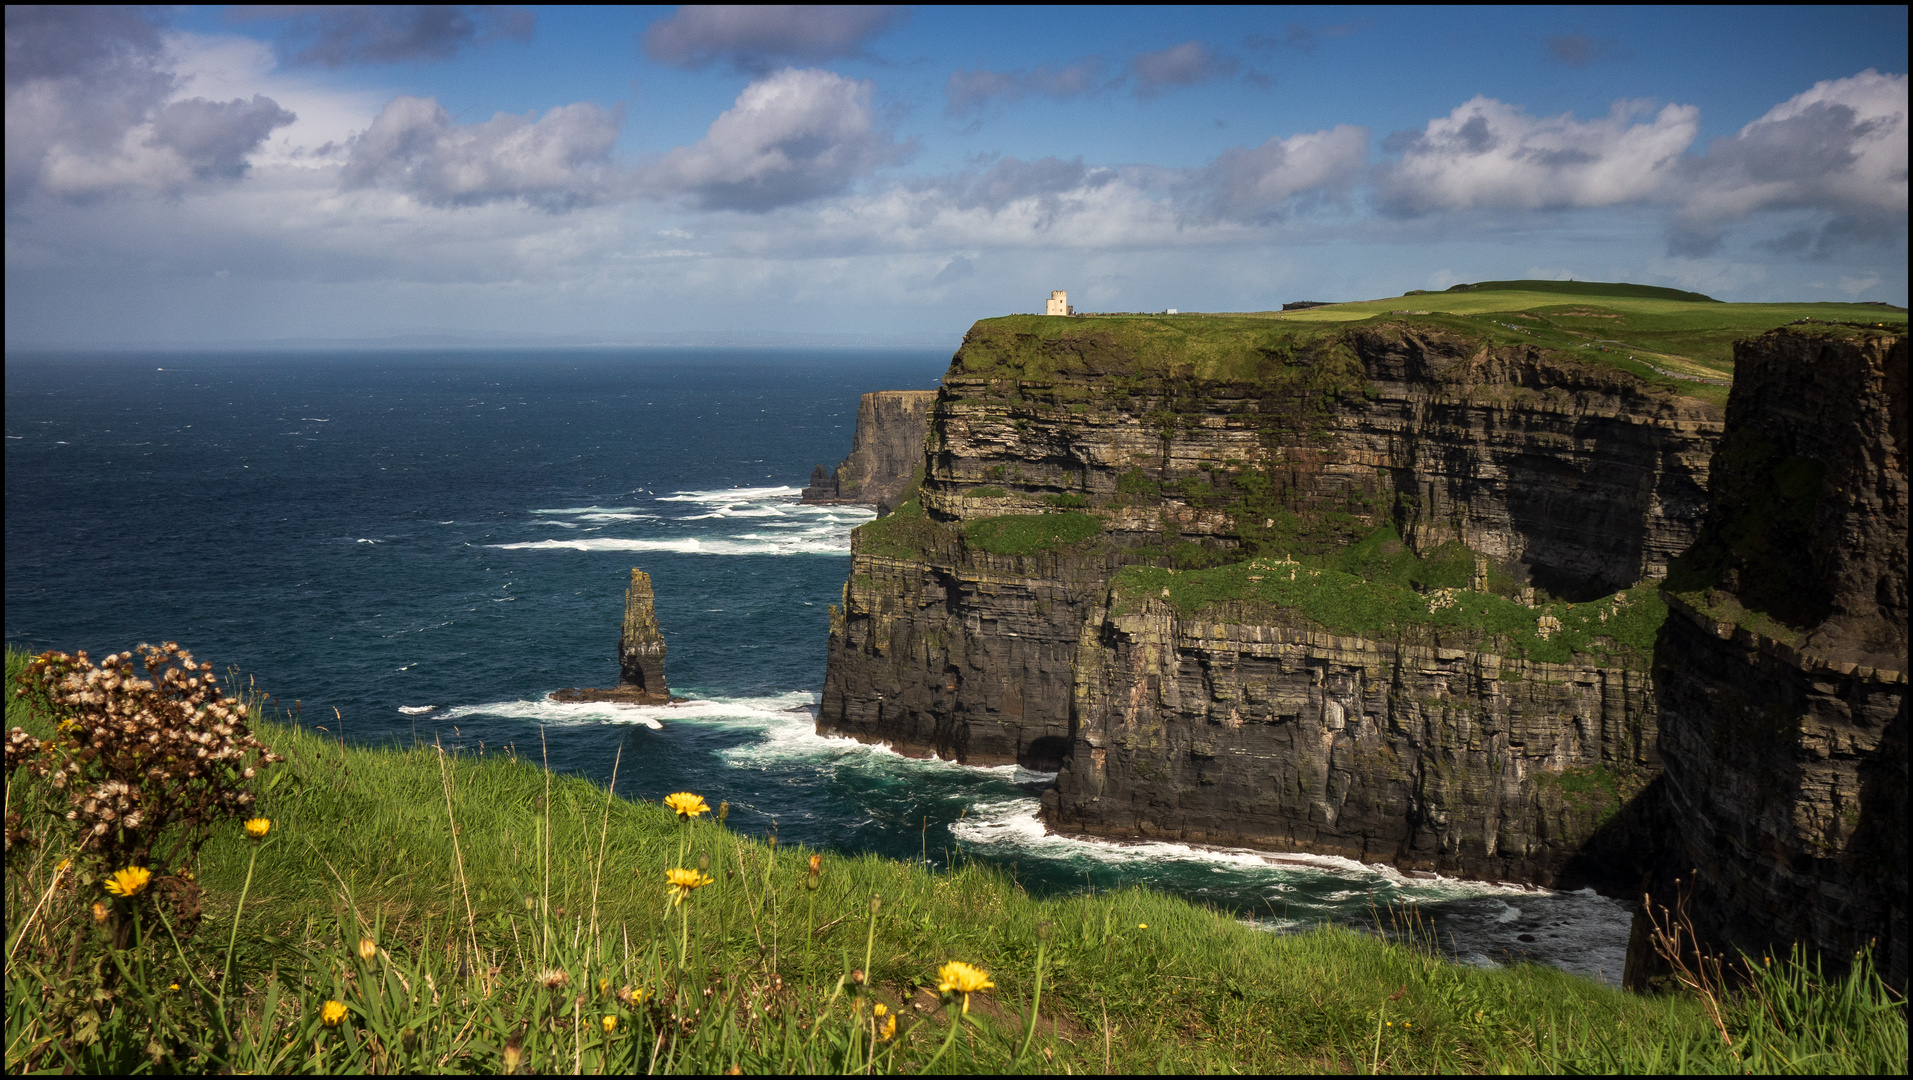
1625	849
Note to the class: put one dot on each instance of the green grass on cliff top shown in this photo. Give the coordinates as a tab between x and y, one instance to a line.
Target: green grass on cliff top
362	843
1618	629
1666	337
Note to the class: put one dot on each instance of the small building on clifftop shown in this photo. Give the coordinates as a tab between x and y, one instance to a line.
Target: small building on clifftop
1058	303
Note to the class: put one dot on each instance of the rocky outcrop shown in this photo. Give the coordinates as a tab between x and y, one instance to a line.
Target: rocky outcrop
1253	725
641	651
884	453
1566	477
1781	675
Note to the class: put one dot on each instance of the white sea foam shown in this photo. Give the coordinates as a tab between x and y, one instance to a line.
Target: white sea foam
732	495
690	545
801	529
416	710
560	713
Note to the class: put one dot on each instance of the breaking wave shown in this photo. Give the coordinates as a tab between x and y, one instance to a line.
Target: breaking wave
729	521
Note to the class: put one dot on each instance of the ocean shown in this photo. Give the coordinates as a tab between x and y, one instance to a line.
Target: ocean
417	545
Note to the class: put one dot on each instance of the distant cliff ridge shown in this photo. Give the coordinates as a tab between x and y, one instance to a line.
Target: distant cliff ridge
884	453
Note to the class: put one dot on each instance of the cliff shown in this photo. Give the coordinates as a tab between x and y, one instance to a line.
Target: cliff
1192	443
884	453
641	651
1781	675
1455	732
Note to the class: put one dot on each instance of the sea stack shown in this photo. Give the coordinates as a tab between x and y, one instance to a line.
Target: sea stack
640	654
641	646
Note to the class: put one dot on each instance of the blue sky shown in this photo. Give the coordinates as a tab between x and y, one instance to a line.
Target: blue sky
190	176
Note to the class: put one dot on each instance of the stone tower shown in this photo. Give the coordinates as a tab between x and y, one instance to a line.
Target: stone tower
641	646
1058	303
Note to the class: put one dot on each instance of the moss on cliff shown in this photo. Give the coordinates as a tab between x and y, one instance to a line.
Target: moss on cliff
1027	534
1618	629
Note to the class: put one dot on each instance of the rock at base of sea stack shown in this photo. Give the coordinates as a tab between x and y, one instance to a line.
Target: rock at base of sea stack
640	653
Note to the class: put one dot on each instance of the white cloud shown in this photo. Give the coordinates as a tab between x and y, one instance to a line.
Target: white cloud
554	163
1839	148
221	66
1189	64
758	37
1488	154
1259	182
92	108
1854	286
791	136
968	90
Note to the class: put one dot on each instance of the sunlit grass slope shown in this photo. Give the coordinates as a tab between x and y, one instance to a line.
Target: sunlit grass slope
478	914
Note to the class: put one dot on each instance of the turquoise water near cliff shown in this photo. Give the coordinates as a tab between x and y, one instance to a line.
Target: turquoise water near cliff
432	542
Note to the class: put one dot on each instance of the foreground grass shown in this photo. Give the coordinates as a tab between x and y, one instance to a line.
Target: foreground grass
512	911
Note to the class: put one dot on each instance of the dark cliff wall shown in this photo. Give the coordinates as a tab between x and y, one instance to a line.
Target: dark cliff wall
1277	448
1247	724
1782	674
884	453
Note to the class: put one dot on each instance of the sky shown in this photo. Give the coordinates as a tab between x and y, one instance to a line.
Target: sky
234	177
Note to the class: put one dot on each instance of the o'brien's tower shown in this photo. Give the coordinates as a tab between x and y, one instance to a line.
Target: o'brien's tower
1058	303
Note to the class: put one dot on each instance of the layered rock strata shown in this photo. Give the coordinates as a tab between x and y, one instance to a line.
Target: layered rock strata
884	453
641	652
1249	725
1781	675
1578	477
1566	476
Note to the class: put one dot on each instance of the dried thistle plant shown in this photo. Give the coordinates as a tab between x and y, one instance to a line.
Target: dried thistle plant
138	758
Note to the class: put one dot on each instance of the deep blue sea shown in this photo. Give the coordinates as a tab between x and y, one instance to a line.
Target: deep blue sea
425	544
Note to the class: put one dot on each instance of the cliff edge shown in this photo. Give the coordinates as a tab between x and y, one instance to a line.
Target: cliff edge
884	453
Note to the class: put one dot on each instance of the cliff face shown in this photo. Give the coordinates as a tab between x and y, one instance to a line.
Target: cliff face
884	453
1252	725
1781	674
1570	477
1577	477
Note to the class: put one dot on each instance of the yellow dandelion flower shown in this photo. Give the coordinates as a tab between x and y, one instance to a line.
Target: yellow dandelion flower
687	805
1142	926
610	1023
258	827
129	882
680	883
332	1013
99	911
957	977
888	1029
881	1010
368	948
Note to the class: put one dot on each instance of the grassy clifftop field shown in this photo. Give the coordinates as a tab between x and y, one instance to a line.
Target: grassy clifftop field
1684	340
424	911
